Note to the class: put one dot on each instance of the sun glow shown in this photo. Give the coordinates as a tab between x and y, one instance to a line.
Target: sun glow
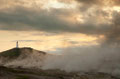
116	8
56	4
45	42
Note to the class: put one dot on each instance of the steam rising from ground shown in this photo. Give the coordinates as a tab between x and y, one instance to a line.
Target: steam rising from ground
83	59
95	59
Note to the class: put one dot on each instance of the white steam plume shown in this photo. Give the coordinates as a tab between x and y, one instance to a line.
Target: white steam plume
87	59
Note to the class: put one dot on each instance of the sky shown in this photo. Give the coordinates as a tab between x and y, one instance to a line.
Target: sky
52	25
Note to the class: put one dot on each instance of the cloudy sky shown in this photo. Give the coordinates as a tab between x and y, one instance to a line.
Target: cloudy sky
51	25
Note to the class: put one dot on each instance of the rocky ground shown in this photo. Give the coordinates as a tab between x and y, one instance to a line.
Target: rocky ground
20	73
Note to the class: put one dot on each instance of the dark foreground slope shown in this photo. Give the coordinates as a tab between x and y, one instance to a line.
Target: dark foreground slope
19	73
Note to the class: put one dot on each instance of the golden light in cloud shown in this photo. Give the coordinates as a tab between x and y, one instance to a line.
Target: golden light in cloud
73	18
45	42
64	41
116	8
36	4
57	4
79	18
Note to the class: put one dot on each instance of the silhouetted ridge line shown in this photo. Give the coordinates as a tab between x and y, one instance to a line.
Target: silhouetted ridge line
15	52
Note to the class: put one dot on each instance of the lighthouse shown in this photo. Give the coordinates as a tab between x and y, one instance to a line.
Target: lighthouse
17	45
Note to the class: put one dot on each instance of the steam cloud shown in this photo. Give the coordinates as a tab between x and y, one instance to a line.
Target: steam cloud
95	59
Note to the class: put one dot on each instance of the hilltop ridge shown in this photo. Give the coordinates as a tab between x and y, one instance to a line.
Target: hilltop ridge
15	52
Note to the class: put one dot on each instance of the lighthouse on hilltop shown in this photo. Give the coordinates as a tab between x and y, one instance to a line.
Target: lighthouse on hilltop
17	44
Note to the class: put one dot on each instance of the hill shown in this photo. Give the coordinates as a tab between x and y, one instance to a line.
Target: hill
15	52
22	57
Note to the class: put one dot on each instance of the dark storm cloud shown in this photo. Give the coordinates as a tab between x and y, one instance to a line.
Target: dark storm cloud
99	2
110	31
88	2
113	36
22	18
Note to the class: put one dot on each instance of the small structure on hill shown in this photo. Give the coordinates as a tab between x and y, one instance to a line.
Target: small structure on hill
17	44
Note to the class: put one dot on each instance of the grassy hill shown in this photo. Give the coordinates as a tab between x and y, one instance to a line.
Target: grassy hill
15	52
22	57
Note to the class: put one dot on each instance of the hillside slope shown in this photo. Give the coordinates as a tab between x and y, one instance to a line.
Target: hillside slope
22	57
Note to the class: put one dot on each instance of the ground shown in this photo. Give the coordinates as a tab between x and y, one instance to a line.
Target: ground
21	73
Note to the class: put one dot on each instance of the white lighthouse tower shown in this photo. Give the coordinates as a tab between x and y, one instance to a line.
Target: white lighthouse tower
17	44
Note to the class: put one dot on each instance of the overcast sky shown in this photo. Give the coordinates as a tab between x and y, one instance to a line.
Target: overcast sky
51	25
